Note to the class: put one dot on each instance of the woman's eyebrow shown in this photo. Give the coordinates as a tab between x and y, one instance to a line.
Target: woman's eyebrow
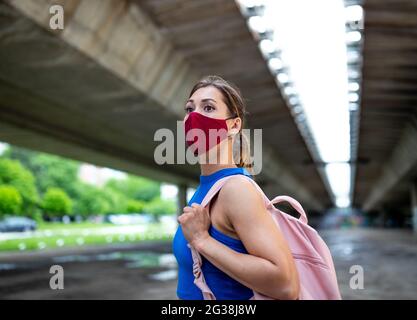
208	99
203	100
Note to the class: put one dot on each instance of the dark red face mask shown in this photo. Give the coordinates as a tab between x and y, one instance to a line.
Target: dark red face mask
208	132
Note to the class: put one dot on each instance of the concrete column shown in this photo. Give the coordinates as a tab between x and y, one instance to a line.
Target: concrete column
384	218
182	198
396	168
414	205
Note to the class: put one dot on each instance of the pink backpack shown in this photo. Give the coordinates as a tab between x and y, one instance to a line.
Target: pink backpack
312	257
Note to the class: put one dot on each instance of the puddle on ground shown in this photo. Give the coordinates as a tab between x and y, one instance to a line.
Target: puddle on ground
7	266
72	258
133	260
164	275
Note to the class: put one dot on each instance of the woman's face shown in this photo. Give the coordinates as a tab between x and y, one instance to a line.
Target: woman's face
209	102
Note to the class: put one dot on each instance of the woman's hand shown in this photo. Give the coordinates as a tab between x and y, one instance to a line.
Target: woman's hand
195	222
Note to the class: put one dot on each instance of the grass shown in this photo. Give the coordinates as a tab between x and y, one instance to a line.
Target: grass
74	225
57	235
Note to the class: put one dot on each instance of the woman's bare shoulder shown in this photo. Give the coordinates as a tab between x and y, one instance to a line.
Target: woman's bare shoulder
239	192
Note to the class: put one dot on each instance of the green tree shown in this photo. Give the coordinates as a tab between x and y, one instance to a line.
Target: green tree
158	207
55	172
90	201
10	200
117	200
50	171
135	206
56	203
12	173
136	188
117	196
24	156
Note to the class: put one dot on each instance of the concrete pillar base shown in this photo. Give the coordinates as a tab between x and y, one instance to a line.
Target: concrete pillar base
182	198
414	205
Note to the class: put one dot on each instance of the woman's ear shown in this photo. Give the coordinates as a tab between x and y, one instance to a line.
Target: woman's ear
235	128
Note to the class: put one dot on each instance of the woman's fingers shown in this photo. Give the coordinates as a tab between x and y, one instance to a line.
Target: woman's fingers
195	205
184	217
193	222
188	209
189	212
195	208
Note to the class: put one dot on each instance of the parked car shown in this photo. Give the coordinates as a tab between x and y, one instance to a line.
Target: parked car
17	224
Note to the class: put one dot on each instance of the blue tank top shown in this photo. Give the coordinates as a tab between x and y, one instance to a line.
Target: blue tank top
223	286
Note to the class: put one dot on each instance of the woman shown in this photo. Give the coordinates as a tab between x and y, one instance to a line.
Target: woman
241	247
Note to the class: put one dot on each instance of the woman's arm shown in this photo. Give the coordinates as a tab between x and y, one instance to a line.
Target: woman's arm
269	267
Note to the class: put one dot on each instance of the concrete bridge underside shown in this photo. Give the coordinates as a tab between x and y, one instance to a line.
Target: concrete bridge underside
97	90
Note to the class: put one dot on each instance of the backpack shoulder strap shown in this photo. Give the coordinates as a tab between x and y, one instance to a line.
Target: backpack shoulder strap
215	188
199	280
220	183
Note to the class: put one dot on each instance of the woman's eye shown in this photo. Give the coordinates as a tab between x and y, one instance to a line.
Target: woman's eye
188	109
208	108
